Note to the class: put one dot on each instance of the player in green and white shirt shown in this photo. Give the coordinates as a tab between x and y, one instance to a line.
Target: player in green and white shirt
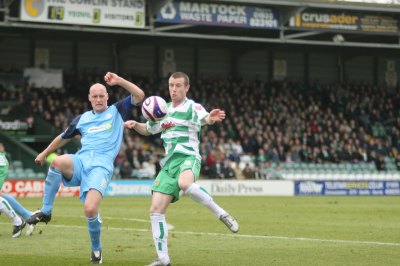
181	166
180	129
5	207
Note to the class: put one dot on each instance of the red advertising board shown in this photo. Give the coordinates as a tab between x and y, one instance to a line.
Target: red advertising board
35	188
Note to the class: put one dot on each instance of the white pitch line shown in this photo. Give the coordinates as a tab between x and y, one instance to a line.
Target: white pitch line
300	239
113	218
358	242
170	226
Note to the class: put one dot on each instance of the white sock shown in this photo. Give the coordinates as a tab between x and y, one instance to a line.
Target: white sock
6	208
200	195
160	236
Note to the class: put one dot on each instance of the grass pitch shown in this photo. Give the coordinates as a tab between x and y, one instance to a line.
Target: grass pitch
274	231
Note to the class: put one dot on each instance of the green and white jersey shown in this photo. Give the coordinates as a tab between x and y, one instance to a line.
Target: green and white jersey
3	160
180	129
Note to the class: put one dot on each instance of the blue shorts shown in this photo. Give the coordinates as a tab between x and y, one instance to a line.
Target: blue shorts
91	171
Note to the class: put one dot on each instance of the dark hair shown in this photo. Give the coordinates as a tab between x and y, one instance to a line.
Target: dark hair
181	75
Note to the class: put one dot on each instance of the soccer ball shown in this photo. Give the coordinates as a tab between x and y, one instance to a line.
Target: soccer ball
154	108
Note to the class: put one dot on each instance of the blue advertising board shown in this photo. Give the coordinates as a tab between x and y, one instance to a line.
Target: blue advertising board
218	15
348	188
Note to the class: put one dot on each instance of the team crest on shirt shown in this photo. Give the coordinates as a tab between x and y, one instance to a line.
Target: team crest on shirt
156	183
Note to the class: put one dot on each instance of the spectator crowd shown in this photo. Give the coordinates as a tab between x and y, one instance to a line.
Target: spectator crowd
268	123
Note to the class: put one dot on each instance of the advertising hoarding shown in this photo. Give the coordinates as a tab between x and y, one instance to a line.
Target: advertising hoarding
108	13
346	21
348	188
35	188
214	14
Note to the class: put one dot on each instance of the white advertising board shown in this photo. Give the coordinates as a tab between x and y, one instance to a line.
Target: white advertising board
108	13
248	187
44	78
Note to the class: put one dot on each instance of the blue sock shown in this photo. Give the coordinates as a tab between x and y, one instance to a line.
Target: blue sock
18	208
94	227
51	186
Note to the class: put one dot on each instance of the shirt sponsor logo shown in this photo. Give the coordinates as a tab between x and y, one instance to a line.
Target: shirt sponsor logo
165	126
104	127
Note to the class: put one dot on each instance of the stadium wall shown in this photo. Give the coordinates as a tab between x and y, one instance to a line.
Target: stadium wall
384	65
360	69
215	60
94	55
137	58
61	53
253	64
183	57
294	63
15	53
323	67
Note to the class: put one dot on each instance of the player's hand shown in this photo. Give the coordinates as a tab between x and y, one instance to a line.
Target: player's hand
130	124
217	115
112	78
40	159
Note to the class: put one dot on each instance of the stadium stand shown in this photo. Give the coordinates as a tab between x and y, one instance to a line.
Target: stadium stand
345	124
274	130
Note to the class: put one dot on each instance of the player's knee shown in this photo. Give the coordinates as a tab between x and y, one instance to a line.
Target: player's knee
156	209
57	163
184	187
64	164
90	209
90	212
185	184
185	180
152	209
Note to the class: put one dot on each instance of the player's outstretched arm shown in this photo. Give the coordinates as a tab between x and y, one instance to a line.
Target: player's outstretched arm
113	79
138	127
58	142
216	115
